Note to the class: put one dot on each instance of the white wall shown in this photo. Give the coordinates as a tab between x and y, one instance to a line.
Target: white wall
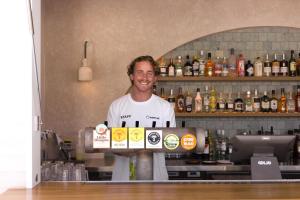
16	90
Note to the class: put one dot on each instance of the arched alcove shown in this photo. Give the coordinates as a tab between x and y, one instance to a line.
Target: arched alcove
252	42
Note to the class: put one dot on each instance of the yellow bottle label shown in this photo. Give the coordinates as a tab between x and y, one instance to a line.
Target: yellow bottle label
119	138
136	138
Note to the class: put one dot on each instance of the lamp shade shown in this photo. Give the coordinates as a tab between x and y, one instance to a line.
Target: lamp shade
85	73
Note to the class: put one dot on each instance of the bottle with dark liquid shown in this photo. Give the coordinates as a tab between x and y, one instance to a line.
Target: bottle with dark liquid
284	69
292	65
265	102
238	103
180	101
274	102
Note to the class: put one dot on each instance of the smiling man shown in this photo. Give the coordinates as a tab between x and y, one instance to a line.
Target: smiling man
142	106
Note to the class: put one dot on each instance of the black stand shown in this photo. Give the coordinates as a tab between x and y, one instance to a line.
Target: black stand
264	167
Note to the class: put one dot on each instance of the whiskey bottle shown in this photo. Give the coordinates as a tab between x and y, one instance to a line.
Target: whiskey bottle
196	65
275	66
238	103
180	101
267	66
258	67
225	67
282	102
171	68
298	66
229	103
290	103
171	99
284	66
241	66
256	102
248	102
162	67
249	69
221	103
206	100
213	100
209	66
178	66
274	102
162	94
198	101
201	64
265	102
232	63
218	67
297	99
188	68
292	64
188	102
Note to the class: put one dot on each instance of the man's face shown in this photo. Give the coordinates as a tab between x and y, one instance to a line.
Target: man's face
143	76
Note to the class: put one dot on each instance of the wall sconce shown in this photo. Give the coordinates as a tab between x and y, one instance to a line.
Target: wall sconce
85	73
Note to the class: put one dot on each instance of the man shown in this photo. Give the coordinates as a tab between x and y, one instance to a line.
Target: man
143	106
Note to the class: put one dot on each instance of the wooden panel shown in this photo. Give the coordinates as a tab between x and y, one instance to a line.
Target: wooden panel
236	114
238	79
173	191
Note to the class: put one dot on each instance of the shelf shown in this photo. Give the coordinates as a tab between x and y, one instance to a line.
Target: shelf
236	114
253	78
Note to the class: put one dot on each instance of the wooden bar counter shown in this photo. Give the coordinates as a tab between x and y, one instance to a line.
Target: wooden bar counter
145	191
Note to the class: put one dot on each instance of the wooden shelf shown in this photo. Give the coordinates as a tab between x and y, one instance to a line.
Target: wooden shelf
237	114
253	78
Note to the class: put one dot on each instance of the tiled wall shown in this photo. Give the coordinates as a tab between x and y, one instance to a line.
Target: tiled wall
252	42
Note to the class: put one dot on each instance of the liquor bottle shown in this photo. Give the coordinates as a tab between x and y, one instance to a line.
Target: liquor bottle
206	100
292	65
223	148
297	98
201	64
198	101
284	70
274	102
178	66
154	90
267	66
180	101
229	103
162	67
218	67
258	67
225	67
171	99
232	63
188	102
171	68
241	66
213	100
195	65
209	66
162	94
275	66
256	102
248	102
249	69
238	103
298	66
212	146
290	103
188	68
265	102
205	156
221	103
282	102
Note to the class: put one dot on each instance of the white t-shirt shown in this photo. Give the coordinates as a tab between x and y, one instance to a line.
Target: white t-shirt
130	111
